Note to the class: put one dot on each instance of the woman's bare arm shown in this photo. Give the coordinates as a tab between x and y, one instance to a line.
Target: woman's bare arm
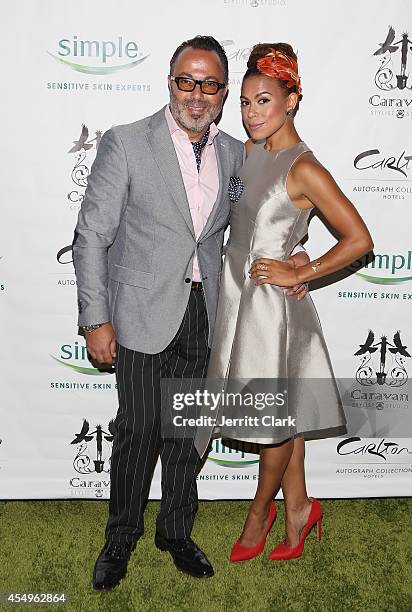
311	185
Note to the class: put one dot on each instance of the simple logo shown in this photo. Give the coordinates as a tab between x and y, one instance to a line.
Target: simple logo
384	268
387	76
75	356
83	462
389	368
76	54
372	159
230	457
381	450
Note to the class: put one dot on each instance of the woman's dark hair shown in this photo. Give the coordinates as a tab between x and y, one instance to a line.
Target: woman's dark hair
262	49
205	43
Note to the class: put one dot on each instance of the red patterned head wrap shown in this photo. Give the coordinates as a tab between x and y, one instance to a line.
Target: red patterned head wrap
280	66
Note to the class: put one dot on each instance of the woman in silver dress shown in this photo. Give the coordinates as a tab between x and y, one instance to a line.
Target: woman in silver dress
261	332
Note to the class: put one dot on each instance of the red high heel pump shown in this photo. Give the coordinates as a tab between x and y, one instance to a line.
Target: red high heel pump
243	553
281	552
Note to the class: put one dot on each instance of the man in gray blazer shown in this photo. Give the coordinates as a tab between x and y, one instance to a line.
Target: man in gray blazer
148	254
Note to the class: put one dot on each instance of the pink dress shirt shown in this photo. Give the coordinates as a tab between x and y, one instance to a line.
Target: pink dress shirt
201	187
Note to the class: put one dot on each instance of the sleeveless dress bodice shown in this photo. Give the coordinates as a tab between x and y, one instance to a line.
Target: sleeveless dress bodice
260	332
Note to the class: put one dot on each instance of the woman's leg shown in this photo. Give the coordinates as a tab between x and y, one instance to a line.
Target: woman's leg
297	503
273	463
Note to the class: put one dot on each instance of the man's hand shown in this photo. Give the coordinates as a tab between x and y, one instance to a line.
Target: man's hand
300	259
101	344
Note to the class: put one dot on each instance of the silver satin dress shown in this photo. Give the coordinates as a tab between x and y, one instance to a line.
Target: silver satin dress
260	332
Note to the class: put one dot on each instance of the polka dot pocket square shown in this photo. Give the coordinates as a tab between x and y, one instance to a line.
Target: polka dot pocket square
236	188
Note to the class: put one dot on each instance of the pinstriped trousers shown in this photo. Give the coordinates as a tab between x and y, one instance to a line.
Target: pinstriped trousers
138	442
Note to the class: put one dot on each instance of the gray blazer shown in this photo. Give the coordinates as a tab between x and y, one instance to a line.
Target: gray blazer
134	241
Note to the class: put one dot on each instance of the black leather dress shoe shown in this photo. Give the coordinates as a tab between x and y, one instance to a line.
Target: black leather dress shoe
186	555
111	565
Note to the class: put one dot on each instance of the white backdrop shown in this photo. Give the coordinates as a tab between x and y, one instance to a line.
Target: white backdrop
98	64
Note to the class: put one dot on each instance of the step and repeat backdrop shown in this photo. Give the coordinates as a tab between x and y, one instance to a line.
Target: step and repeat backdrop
70	72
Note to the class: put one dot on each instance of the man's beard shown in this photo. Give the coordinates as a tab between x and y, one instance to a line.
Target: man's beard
185	119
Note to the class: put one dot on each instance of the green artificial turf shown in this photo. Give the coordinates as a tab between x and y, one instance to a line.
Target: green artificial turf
363	562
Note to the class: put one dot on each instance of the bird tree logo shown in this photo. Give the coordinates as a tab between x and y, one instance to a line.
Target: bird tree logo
81	169
387	366
388	77
83	463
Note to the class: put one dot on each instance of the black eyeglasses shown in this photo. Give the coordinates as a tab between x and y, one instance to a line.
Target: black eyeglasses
207	87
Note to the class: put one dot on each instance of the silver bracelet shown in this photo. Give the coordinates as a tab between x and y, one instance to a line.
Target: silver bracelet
90	328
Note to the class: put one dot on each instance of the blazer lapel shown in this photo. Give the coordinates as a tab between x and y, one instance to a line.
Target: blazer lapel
165	156
221	150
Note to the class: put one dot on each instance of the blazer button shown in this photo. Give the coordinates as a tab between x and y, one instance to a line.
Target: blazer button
188	280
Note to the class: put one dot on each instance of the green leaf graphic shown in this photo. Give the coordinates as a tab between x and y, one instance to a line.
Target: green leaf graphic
98	69
81	369
234	464
383	280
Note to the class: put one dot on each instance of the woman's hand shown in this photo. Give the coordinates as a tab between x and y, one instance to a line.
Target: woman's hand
301	290
274	272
